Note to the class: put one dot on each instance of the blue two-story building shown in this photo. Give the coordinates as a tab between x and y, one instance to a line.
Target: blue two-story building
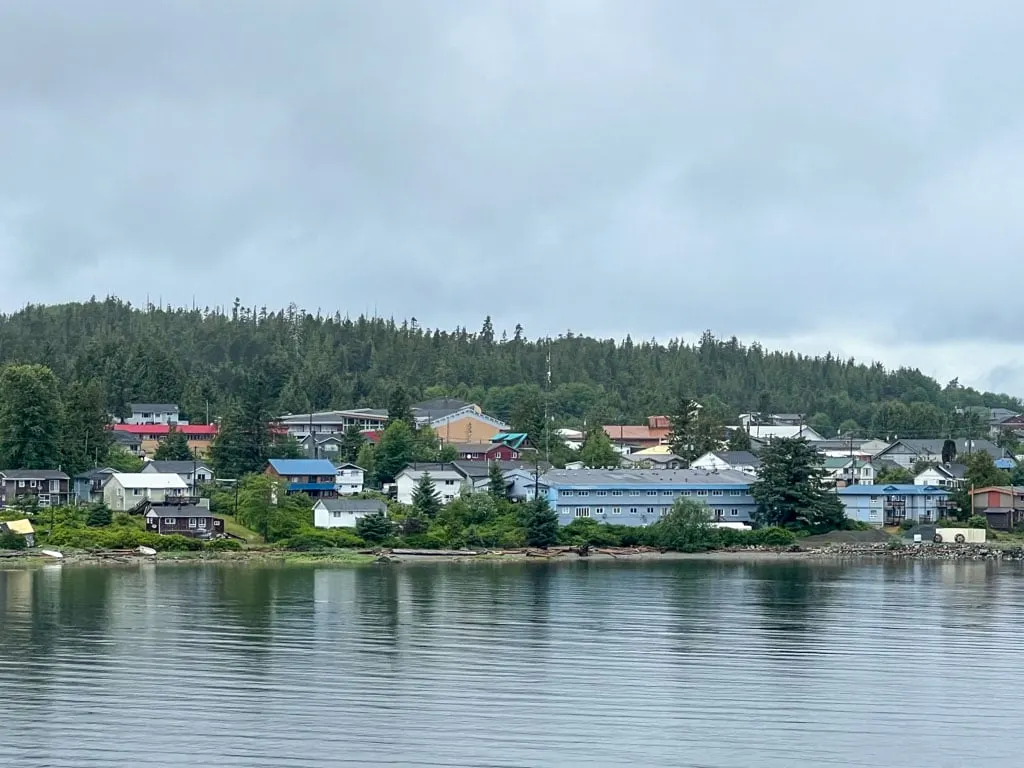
892	504
315	477
644	496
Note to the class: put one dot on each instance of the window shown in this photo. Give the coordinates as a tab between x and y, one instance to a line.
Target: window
55	486
874	498
567	493
616	510
602	493
718	493
202	523
684	493
449	482
652	493
666	493
44	500
702	493
33	483
170	520
650	510
734	512
21	483
582	512
616	493
336	515
191	522
583	493
735	493
632	510
634	493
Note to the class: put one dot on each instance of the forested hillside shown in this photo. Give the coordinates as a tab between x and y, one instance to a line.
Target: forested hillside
202	357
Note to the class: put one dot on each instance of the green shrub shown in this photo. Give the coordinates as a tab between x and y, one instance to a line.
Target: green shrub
977	521
906	525
423	541
772	536
98	516
224	545
308	541
120	537
587	531
12	541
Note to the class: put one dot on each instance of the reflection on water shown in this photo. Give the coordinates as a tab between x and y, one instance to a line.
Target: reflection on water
676	664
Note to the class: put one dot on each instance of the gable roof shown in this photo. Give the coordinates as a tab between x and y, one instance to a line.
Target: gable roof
21	527
902	489
152	480
185	510
470	470
33	474
288	467
772	431
177	467
438	407
96	474
933	447
348	465
742	458
163	429
355	506
513	440
155	407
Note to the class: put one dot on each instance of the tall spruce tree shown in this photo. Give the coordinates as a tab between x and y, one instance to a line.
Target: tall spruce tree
426	502
30	418
495	481
541	524
682	436
85	437
352	441
174	447
399	407
788	490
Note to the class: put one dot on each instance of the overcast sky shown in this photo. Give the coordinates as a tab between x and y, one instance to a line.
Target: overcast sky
817	175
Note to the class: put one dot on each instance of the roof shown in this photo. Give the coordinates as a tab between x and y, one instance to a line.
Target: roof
953	471
333	417
766	431
127	438
185	510
152	480
156	407
178	467
438	407
348	465
624	477
290	467
22	527
473	447
625	432
511	439
163	429
95	474
1006	463
654	450
902	489
933	446
33	474
355	506
472	469
743	458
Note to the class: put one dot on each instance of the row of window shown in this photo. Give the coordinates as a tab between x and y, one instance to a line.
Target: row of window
54	484
193	522
666	492
585	511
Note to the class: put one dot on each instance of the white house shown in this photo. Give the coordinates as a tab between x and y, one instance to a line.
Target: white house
720	461
773	431
349	479
125	490
345	513
448	481
192	472
943	476
154	413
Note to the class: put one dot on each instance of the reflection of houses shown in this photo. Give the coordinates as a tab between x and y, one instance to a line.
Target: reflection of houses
1001	506
641	496
50	487
880	505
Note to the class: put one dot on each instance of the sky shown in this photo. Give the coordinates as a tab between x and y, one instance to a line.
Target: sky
818	176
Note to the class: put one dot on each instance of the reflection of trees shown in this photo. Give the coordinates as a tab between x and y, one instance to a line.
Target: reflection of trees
793	599
377	605
246	598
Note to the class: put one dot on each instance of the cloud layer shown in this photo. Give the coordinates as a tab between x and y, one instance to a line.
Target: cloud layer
830	175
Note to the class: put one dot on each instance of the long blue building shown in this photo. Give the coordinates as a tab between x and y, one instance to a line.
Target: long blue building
881	505
644	496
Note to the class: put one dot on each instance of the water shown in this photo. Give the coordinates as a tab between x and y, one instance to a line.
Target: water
704	664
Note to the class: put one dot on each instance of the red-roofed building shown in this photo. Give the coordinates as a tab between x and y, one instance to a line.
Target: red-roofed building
199	436
655	432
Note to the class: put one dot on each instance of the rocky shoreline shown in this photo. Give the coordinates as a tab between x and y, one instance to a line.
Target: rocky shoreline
890	551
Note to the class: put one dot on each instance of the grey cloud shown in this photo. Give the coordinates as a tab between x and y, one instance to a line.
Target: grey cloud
648	167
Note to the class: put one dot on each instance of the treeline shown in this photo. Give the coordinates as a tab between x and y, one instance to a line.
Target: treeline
202	358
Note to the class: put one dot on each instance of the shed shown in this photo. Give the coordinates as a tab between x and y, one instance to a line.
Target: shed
20	528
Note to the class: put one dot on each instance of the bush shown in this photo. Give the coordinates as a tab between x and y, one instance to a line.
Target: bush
119	538
374	529
308	541
906	525
772	536
224	545
586	531
977	521
12	541
98	516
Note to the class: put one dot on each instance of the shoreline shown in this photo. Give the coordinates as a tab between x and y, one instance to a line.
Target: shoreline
866	552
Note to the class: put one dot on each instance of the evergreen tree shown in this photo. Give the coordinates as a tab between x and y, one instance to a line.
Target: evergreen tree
85	438
399	408
375	528
708	433
98	516
683	433
367	461
598	451
351	443
425	500
496	481
788	490
739	440
948	451
396	450
174	447
30	418
119	459
245	440
541	524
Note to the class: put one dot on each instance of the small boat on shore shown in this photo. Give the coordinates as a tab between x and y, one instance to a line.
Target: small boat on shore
52	553
146	550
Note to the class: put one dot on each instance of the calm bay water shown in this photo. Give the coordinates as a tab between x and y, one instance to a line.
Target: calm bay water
679	664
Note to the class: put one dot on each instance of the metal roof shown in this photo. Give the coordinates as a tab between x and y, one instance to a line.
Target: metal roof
902	489
623	477
368	506
33	474
152	480
176	467
156	407
290	467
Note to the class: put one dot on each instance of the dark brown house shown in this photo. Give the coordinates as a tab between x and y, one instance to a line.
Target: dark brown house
191	521
51	487
1001	506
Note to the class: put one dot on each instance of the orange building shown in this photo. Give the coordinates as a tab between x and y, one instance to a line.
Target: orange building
199	436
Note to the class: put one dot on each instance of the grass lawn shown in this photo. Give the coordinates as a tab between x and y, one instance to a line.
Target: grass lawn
235	528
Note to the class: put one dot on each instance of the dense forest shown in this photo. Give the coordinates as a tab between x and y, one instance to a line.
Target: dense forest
201	359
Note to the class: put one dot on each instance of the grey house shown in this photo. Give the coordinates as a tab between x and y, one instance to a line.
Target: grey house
51	487
88	486
906	453
194	473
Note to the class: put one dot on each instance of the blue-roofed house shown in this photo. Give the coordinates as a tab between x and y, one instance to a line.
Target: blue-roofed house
891	504
643	496
315	477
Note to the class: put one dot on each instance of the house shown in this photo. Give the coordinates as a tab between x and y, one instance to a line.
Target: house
88	486
880	505
652	459
199	436
128	441
194	473
1001	506
452	478
776	431
184	520
20	528
643	496
772	419
154	413
345	513
720	461
348	479
993	418
521	484
50	487
943	476
300	425
842	470
485	452
314	477
654	432
320	447
1013	425
857	448
906	453
129	491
